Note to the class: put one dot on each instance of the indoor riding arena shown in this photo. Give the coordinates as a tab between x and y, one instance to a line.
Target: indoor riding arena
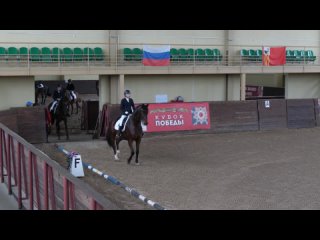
228	119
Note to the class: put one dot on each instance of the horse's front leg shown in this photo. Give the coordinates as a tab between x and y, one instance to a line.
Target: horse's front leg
132	151
71	108
116	149
58	129
66	126
77	105
138	141
48	130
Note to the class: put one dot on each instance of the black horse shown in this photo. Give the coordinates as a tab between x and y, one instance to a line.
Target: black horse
133	132
43	92
61	114
72	101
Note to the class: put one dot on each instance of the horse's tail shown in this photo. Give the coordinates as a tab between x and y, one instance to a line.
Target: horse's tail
109	135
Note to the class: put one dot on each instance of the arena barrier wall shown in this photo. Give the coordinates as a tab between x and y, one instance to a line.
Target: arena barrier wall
38	182
238	116
28	122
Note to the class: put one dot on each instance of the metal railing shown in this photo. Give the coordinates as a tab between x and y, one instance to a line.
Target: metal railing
40	183
124	60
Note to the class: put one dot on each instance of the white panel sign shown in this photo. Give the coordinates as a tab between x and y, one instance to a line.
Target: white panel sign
161	98
267	104
76	166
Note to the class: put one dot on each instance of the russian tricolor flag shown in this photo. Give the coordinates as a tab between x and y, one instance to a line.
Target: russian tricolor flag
156	56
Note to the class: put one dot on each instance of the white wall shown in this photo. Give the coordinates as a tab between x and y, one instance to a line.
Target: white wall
191	87
233	87
54	38
268	80
16	91
302	86
208	38
275	37
81	77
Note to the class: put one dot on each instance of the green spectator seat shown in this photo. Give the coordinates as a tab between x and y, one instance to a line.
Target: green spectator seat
35	54
127	54
217	55
297	56
190	53
3	53
174	54
289	56
200	55
67	54
209	54
259	54
77	54
244	54
303	57
13	53
46	54
88	52
23	51
311	56
98	54
252	55
137	54
182	54
56	54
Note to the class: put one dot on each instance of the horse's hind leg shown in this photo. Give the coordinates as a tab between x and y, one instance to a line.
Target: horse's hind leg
132	151
116	148
77	104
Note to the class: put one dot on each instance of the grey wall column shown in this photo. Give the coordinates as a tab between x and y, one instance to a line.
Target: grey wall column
104	90
120	87
242	86
113	44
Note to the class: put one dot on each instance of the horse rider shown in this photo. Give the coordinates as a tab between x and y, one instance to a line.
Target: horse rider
127	107
40	85
70	87
57	96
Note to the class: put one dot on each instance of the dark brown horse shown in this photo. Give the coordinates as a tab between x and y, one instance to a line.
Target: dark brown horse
43	93
61	114
72	101
133	132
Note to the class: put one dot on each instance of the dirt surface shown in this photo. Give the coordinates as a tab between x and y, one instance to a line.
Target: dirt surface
252	170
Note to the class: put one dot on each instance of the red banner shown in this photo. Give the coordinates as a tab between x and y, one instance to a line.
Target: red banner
178	117
254	91
273	56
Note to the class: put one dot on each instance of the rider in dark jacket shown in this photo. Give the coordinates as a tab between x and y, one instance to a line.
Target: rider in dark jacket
70	87
57	96
127	107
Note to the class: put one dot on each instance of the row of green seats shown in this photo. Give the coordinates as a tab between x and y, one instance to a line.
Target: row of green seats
181	54
46	54
291	55
300	56
134	54
251	55
198	54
